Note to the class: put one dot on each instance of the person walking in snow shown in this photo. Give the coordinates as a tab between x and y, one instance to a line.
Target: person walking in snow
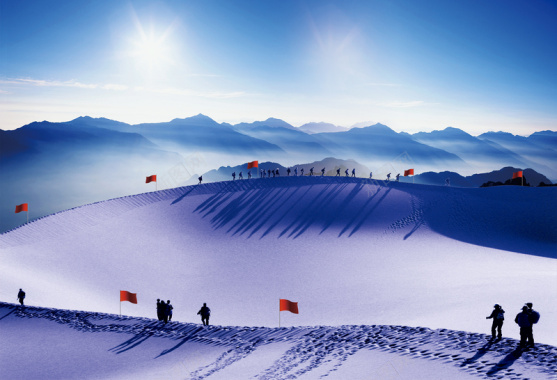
288	172
269	173
388	177
354	172
302	172
370	175
295	172
233	176
277	171
240	176
523	321
397	177
534	317
168	311
322	172
498	316
311	172
21	296
346	172
159	310
249	174
205	313
338	173
200	179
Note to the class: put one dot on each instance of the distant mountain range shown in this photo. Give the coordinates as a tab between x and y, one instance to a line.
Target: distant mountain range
55	166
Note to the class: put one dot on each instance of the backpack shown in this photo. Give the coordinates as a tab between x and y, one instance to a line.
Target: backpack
500	315
534	316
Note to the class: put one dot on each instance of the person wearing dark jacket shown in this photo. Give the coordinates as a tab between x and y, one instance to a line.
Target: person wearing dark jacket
205	313
168	311
21	296
534	318
498	316
523	321
159	310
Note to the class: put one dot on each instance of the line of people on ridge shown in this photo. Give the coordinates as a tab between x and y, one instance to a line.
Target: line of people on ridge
526	319
164	312
276	173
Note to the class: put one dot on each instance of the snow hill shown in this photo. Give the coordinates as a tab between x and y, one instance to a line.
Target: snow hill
40	343
350	251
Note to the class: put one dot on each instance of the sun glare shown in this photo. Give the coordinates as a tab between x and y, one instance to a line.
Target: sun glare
151	48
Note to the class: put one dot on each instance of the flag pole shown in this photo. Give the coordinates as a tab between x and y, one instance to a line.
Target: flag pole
279	312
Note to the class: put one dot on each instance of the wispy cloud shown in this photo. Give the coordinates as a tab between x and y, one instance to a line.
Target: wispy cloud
54	83
120	87
414	103
372	84
189	92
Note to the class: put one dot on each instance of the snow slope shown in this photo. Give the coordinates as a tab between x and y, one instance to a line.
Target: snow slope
41	343
350	251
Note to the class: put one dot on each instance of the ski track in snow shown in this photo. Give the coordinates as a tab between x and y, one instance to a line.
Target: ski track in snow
320	347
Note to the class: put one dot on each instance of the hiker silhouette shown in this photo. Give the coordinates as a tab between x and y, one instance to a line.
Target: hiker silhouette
21	296
233	176
200	180
168	311
322	172
240	176
354	172
534	317
311	171
160	313
523	321
338	173
498	316
370	175
205	313
388	176
346	172
288	172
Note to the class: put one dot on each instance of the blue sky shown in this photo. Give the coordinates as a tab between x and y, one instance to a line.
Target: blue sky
412	65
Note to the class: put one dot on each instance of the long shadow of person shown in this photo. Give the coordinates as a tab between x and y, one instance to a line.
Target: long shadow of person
481	352
506	362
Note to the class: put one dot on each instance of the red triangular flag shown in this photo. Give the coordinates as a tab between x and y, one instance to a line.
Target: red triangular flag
286	305
21	207
127	296
517	174
152	178
253	164
408	172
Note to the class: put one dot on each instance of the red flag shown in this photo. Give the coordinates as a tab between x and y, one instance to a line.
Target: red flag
517	174
408	172
286	305
127	296
152	178
253	164
21	207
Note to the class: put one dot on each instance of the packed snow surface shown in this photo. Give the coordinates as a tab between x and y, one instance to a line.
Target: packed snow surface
41	343
350	252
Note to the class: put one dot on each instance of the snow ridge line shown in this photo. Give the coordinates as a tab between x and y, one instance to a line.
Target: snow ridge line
92	214
314	347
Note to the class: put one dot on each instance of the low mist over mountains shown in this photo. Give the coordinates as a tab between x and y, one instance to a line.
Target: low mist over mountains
55	166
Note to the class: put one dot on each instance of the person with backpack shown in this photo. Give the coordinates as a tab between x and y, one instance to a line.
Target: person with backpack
21	296
338	173
498	316
523	321
205	313
534	317
233	176
168	311
200	180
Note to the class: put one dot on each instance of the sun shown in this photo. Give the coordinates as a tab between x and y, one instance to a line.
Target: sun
151	48
151	51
